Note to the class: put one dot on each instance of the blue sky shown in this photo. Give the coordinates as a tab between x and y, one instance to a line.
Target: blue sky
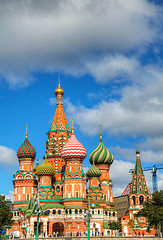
109	55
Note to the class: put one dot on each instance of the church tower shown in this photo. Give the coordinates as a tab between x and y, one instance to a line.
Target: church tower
58	135
24	181
103	158
138	190
74	184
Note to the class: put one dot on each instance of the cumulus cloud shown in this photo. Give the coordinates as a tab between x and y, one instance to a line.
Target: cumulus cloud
146	155
63	35
10	196
7	157
119	174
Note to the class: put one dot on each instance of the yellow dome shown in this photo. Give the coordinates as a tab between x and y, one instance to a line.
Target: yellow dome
45	169
59	90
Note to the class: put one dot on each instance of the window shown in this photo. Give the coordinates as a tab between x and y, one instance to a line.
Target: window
80	211
93	212
106	213
133	200
70	212
98	211
59	212
104	197
113	214
77	194
47	212
27	197
66	211
76	211
109	214
54	211
141	200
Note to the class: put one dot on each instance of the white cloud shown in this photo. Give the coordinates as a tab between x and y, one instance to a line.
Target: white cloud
63	35
119	174
8	157
10	196
145	155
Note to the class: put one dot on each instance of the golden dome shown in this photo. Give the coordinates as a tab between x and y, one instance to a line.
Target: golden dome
59	90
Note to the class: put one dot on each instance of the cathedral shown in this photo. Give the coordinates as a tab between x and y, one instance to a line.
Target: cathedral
64	191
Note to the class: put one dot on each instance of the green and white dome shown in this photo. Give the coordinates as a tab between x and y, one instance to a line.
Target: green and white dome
101	155
93	172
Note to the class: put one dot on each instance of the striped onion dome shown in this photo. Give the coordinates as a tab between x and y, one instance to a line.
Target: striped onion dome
73	149
26	150
93	172
45	169
101	155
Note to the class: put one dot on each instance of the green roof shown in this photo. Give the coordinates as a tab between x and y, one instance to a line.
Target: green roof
52	205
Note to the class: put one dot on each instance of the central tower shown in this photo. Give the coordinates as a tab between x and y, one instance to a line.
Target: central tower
58	135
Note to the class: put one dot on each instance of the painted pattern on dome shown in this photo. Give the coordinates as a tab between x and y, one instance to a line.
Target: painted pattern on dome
45	169
26	150
101	155
93	172
73	149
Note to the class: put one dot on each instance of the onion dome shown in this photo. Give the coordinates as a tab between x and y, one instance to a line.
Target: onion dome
101	155
93	172
73	148
26	150
45	169
59	90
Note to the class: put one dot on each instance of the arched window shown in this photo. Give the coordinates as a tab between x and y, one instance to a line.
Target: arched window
113	214
62	189
59	212
58	188
141	200
133	200
47	212
80	211
76	211
66	211
70	212
54	211
106	213
109	214
98	211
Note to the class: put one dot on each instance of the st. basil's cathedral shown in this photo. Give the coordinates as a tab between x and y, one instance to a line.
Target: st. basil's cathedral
60	185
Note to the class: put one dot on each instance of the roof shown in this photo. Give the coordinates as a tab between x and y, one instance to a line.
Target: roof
127	190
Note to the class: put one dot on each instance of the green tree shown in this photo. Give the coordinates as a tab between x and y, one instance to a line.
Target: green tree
115	226
5	213
153	211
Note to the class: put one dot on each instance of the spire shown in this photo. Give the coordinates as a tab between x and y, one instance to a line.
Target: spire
72	125
100	132
26	131
59	90
59	120
138	184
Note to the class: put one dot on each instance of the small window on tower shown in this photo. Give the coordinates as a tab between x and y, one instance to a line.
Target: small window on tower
77	194
27	197
104	197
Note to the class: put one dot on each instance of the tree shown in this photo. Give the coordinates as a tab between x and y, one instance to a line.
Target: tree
115	226
153	211
5	214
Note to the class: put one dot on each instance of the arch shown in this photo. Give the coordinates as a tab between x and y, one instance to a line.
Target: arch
76	211
54	211
141	200
47	212
133	200
58	228
40	228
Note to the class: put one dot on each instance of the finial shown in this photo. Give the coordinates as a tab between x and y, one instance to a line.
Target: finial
59	90
26	131
59	81
37	157
137	151
72	125
100	132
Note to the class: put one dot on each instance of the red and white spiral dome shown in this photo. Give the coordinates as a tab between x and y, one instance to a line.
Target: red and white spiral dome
73	149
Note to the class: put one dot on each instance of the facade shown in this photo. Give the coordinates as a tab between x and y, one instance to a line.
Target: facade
59	184
133	197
